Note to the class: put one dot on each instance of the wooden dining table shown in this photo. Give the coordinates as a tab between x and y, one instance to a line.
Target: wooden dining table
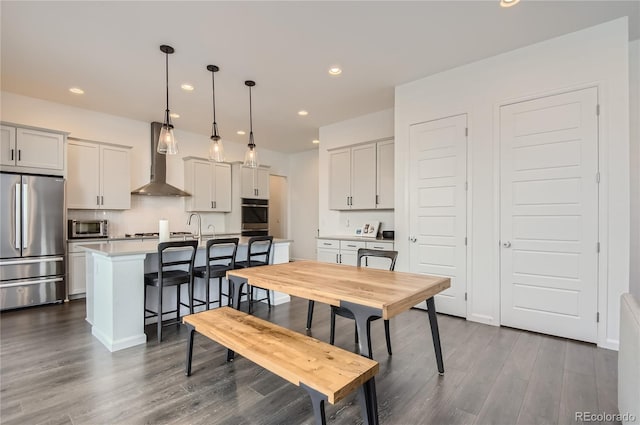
368	293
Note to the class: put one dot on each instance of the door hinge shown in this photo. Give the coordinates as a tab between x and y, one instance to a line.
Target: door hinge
598	247
598	317
598	110
598	177
465	296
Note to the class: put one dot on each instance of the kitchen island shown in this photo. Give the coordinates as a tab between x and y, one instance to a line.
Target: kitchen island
115	286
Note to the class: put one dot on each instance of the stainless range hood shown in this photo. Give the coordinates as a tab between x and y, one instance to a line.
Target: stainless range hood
158	185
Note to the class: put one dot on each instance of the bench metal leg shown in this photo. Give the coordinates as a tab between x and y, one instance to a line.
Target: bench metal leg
192	331
435	334
317	401
369	402
235	288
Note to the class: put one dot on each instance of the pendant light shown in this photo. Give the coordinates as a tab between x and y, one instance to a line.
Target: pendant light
167	143
251	157
216	150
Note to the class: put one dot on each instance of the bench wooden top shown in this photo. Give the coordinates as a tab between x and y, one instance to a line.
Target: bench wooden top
391	292
295	357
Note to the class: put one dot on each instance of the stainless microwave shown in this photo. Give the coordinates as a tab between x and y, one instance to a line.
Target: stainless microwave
79	229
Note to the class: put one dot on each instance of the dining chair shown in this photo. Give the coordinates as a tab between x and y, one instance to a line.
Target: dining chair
343	312
258	254
220	257
171	272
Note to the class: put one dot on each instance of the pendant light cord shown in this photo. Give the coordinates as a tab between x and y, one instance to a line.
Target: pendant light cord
250	120
168	118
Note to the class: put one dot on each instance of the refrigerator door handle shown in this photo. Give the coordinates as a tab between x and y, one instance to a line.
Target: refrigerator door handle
30	282
17	217
25	214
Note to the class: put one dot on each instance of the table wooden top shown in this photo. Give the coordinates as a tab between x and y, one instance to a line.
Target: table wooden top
297	358
391	292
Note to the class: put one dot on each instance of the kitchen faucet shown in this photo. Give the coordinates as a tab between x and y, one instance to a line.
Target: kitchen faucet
199	234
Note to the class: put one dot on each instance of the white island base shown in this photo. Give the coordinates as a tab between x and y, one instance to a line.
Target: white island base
115	288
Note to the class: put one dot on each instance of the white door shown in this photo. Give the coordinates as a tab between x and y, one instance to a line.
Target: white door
115	179
262	183
40	149
438	206
7	145
385	175
339	179
363	177
549	214
83	175
222	189
247	181
202	186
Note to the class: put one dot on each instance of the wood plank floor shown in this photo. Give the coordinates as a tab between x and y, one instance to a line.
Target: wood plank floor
54	372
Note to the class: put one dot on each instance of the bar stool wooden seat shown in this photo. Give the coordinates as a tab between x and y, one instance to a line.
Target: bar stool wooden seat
258	254
343	312
220	257
171	272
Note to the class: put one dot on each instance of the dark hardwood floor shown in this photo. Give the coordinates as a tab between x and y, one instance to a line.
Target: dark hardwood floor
54	372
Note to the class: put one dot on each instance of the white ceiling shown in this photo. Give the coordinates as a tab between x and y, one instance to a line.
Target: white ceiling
111	50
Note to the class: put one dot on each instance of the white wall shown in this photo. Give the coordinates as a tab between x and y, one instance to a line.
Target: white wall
303	195
634	139
369	127
595	56
145	210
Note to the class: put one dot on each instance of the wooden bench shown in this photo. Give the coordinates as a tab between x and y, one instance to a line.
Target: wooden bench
328	373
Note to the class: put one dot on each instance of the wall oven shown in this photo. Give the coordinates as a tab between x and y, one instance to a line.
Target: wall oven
255	217
80	229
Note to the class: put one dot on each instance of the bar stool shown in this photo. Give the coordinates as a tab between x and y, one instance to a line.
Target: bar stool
167	275
217	265
343	312
259	247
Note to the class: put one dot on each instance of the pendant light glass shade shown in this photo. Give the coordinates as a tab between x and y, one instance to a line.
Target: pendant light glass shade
251	156
167	144
216	150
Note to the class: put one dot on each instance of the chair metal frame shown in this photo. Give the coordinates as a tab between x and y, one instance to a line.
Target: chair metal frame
164	278
210	271
250	262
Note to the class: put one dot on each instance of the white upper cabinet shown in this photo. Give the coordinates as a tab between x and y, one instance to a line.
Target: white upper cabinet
30	150
254	183
385	177
361	177
209	184
98	176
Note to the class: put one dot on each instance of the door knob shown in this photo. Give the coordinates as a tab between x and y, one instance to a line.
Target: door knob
507	244
413	239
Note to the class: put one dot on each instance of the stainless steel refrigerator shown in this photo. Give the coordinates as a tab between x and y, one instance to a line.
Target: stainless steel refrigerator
32	254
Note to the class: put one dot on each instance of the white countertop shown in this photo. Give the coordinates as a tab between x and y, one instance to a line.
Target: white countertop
354	238
148	246
145	238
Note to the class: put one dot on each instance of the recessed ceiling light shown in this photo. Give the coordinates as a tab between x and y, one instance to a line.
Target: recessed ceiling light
508	3
303	113
315	142
76	90
187	87
240	132
174	115
335	70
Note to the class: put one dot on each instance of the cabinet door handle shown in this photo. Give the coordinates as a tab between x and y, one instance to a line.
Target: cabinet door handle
101	200
19	154
340	258
97	199
211	204
378	247
377	201
337	260
326	243
366	261
351	246
12	154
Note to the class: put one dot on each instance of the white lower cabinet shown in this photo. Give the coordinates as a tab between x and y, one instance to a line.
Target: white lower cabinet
77	277
340	251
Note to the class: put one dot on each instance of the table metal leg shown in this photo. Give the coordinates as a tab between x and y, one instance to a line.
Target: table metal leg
235	288
369	402
363	316
317	400
435	334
